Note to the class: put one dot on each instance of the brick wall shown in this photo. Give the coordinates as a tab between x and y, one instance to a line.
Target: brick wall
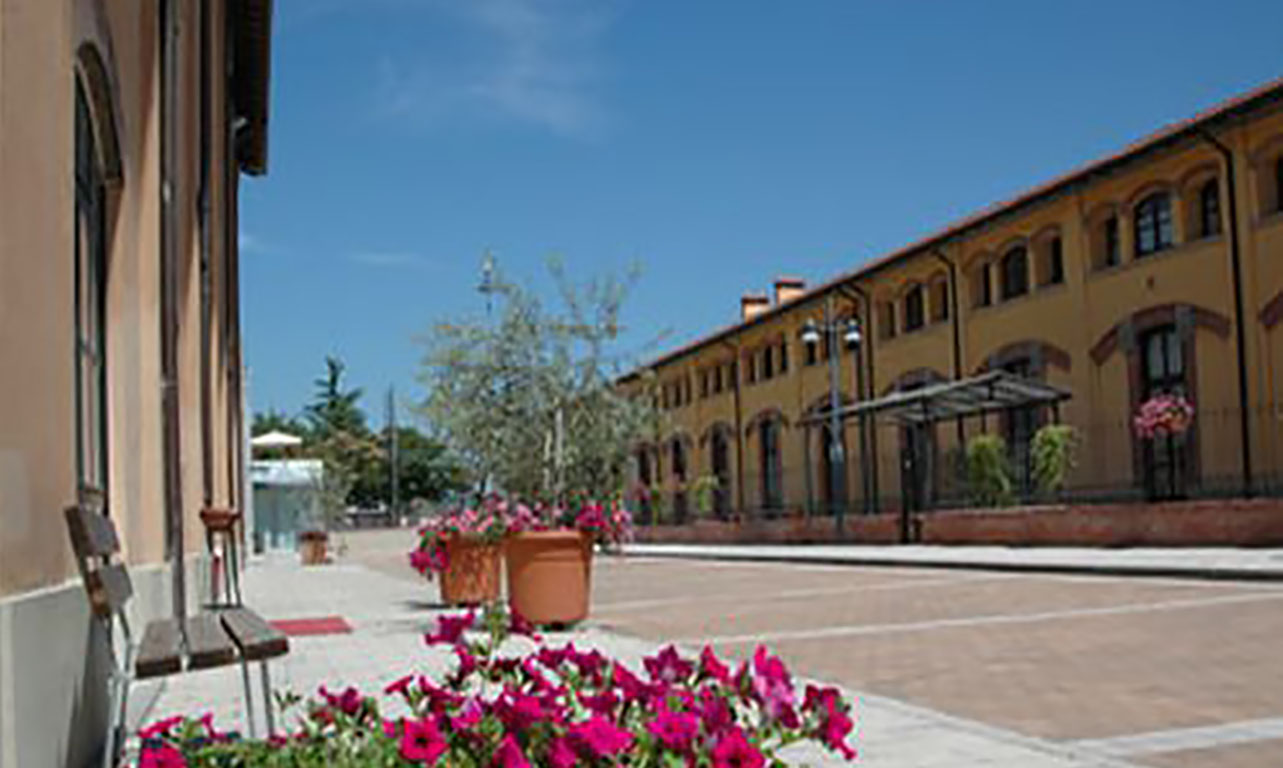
1225	522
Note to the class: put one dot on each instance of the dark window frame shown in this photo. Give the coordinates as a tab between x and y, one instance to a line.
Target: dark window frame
768	363
90	289
1152	225
1111	243
769	464
1209	208
915	309
784	356
1055	261
1014	269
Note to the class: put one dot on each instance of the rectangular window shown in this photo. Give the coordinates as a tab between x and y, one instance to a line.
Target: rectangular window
703	384
784	357
812	354
768	362
751	360
983	286
1055	262
1278	184
914	309
768	435
1209	204
940	301
1112	246
717	380
90	305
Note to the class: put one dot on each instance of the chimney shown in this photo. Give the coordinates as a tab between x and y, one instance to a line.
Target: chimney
752	305
788	288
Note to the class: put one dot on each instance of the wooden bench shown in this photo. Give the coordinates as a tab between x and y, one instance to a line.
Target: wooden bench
234	635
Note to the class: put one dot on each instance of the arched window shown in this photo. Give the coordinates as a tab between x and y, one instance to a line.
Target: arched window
768	433
1153	224
90	304
720	463
939	300
1109	247
1209	208
914	309
1015	273
981	286
886	320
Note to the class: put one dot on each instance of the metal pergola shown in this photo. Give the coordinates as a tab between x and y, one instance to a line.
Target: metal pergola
923	407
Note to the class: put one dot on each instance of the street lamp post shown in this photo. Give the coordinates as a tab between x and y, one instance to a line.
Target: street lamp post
850	336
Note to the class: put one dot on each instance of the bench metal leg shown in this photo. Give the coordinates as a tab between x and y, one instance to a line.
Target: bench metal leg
249	699
267	700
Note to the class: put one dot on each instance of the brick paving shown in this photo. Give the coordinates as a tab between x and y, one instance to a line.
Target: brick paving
389	608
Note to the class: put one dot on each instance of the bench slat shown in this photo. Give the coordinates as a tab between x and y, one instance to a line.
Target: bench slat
207	644
253	635
92	534
109	589
160	652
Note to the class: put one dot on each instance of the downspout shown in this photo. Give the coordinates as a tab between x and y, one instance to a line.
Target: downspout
955	321
1236	269
739	431
206	246
171	429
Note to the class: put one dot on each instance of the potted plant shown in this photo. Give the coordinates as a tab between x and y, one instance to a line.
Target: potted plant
465	548
1163	414
549	558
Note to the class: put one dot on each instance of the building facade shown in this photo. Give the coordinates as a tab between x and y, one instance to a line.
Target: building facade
124	128
1156	270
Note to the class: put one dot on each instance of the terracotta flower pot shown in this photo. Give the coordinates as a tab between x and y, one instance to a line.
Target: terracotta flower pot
313	547
550	575
471	576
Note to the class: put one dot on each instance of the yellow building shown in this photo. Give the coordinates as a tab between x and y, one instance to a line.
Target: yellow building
124	127
1158	269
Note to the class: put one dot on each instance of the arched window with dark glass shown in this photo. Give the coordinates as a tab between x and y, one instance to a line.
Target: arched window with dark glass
1111	244
1163	372
1055	262
914	309
1209	208
1015	273
679	480
90	305
768	433
939	301
720	463
1153	224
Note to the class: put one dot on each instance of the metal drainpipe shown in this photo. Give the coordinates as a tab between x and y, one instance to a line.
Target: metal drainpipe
172	435
1236	268
955	321
206	246
739	431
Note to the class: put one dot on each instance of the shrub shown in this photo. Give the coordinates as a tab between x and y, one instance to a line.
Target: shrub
1054	452
988	471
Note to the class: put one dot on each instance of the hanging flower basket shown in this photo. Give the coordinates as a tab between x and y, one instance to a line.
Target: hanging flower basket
1165	414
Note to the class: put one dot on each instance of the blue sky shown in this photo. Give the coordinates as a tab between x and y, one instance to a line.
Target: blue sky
716	143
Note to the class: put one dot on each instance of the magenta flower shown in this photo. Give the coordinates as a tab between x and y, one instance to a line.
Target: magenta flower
714	711
668	666
772	684
509	754
162	756
597	737
161	727
711	667
834	722
421	742
675	730
603	703
518	710
400	686
560	754
450	628
734	751
518	625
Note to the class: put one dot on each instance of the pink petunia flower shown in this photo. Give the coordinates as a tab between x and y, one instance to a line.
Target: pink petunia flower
421	742
734	751
597	737
451	628
163	756
668	666
675	730
509	754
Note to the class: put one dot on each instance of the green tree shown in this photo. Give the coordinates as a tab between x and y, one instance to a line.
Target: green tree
529	403
334	409
426	471
277	421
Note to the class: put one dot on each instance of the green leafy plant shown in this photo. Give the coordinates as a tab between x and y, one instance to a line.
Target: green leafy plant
988	471
1054	452
704	490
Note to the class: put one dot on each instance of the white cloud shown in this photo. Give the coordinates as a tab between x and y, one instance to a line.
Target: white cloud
248	243
539	62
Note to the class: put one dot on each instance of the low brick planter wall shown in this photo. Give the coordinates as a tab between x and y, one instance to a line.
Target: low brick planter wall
1220	522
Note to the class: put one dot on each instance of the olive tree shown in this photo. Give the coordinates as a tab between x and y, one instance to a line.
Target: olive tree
529	399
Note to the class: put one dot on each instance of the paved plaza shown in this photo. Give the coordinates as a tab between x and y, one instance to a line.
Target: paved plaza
949	667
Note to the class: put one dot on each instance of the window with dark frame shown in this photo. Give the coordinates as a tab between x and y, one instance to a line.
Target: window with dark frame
769	456
768	363
1153	224
90	304
1111	245
784	357
983	281
1278	183
939	301
717	380
751	360
1163	371
1015	273
914	309
1055	262
1209	208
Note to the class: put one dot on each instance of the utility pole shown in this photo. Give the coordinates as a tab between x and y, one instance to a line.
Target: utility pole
393	458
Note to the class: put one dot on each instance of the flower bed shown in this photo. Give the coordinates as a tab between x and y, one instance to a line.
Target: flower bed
548	706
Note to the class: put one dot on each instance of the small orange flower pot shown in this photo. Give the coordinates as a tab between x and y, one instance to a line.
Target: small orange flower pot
550	575
471	576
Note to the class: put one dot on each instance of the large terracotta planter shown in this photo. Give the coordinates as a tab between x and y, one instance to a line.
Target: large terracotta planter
313	547
471	576
550	576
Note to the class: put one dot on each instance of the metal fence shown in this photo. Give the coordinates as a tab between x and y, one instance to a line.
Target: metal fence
1111	464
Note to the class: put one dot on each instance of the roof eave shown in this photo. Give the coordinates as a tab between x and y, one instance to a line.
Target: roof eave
251	26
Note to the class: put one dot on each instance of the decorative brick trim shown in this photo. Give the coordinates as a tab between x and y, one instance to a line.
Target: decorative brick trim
1272	312
821	404
915	377
714	428
1042	353
766	414
1160	314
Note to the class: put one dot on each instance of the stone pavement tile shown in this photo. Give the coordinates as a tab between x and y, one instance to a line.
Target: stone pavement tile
1260	754
390	614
